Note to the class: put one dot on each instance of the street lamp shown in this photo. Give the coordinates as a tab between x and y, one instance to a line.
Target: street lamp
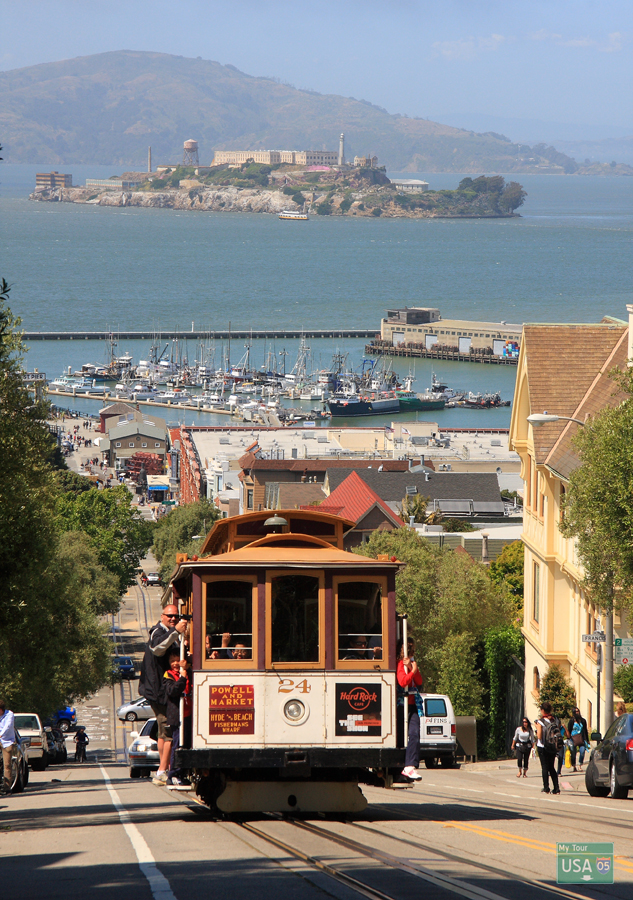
536	420
545	418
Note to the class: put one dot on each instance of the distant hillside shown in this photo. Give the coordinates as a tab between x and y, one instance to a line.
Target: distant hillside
106	109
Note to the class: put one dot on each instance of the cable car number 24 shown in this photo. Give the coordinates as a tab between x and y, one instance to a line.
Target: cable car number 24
287	685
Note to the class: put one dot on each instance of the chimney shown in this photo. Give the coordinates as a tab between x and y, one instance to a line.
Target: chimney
149	160
484	548
629	309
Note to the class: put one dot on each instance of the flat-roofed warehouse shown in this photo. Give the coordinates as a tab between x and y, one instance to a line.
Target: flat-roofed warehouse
425	325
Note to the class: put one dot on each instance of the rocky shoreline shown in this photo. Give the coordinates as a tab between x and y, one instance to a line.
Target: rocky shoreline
254	200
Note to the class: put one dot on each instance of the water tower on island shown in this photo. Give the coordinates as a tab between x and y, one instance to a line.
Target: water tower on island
190	153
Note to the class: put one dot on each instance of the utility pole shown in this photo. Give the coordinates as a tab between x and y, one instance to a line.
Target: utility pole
608	664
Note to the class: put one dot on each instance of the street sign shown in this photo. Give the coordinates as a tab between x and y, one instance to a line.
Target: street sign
623	651
580	863
595	638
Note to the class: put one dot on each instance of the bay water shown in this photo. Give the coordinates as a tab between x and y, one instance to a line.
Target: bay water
73	267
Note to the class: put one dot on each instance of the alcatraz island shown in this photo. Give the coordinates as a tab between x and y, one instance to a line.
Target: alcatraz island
269	181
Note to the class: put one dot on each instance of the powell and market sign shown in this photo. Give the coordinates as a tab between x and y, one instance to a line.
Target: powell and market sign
584	863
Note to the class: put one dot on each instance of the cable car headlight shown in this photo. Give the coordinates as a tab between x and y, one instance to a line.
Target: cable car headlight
294	710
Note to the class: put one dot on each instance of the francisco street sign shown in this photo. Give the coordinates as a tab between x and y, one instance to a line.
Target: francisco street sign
595	638
580	863
624	651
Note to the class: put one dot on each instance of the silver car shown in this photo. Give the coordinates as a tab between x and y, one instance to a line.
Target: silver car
143	753
134	710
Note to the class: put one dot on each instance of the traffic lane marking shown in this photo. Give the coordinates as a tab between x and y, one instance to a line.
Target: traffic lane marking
532	844
159	886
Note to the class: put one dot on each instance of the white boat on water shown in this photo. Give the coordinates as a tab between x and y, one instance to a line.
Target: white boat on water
295	214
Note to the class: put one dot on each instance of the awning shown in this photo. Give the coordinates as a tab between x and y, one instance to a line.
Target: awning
158	482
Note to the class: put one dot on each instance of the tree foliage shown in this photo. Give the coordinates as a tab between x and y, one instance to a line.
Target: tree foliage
176	532
598	508
501	644
623	683
116	531
457	674
52	644
507	569
558	690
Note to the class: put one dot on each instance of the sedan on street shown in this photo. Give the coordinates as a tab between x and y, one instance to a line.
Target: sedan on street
134	710
143	753
610	769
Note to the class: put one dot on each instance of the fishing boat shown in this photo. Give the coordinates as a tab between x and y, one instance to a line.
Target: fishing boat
376	404
297	215
410	401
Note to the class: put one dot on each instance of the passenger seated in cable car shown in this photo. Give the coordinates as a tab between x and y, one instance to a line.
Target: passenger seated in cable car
357	647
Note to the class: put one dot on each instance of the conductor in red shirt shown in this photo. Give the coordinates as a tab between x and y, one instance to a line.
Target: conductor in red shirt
408	676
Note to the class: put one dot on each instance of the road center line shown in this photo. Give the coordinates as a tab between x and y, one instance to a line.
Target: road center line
158	884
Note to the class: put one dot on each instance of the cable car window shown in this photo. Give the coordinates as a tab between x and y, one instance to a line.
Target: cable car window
295	618
359	620
229	620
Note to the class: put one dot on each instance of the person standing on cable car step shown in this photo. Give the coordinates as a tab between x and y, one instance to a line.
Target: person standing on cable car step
151	684
408	676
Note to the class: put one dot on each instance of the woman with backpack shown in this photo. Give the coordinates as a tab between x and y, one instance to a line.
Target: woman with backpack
549	741
522	744
579	738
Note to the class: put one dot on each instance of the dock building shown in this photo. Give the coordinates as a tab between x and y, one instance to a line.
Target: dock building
425	325
410	185
113	184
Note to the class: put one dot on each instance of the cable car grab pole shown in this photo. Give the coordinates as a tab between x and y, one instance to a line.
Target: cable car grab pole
405	653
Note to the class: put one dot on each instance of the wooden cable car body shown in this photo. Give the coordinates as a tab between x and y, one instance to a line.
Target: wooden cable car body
299	707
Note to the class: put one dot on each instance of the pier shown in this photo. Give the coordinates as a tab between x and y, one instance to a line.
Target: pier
200	335
449	354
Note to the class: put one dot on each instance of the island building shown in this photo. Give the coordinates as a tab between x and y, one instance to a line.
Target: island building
46	181
114	184
410	185
366	162
562	369
425	325
277	157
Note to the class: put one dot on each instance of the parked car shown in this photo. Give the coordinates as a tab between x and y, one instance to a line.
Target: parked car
65	718
57	752
123	667
135	709
154	578
609	772
143	753
19	765
438	732
33	734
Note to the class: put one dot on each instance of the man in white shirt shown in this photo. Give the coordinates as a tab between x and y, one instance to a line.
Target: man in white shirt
7	739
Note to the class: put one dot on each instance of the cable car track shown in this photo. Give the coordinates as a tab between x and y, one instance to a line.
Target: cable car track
457	886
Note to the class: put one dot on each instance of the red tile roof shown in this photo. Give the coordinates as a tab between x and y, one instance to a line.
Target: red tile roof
353	499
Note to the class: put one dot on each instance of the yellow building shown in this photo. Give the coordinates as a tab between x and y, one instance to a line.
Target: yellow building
562	370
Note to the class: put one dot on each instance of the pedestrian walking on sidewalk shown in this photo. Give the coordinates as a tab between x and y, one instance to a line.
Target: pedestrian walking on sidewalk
7	739
522	744
549	741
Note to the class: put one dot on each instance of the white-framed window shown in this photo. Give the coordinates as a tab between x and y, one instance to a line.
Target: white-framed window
157	443
144	444
536	608
131	444
118	444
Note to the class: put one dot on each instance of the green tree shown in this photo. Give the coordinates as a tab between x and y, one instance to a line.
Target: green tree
182	531
414	505
623	683
116	531
453	526
513	196
507	569
501	644
557	689
457	674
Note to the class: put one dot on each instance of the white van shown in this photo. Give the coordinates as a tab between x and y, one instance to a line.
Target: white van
438	731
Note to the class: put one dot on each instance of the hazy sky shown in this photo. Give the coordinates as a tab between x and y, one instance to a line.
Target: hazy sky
552	60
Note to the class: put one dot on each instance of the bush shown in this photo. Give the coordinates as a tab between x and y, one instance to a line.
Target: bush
345	204
361	206
324	209
159	183
623	683
376	211
288	189
453	526
299	198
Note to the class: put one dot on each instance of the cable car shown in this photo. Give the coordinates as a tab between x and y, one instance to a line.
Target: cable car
293	646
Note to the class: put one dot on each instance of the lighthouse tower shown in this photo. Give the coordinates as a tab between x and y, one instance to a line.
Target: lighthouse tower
341	151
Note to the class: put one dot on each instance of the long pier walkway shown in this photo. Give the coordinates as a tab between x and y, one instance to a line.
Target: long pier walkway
449	354
243	334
